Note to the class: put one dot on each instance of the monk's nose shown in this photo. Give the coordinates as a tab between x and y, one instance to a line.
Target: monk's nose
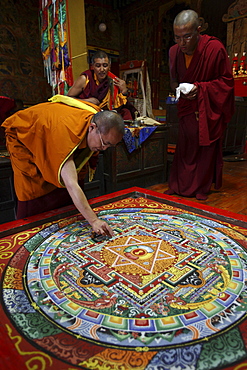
182	41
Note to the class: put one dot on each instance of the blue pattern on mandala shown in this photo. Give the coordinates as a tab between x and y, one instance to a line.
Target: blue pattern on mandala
16	301
184	358
130	210
49	230
204	221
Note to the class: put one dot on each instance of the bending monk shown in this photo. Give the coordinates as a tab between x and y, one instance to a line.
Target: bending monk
49	144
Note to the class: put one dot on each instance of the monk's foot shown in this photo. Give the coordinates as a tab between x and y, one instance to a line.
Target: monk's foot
169	192
200	196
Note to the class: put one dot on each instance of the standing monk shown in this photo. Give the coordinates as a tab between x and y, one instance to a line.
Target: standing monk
100	87
204	112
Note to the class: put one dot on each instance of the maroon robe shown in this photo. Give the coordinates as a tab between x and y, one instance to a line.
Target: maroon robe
92	89
127	111
198	158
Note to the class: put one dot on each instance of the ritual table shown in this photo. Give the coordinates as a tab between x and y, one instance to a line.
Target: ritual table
145	166
167	291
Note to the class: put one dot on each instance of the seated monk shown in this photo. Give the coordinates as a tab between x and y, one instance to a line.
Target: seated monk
101	87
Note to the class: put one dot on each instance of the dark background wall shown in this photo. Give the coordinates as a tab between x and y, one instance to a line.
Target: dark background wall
21	65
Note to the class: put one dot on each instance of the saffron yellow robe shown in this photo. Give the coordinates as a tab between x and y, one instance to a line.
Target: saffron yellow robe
40	139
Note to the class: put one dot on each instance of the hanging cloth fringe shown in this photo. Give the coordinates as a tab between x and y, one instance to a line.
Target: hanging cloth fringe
57	64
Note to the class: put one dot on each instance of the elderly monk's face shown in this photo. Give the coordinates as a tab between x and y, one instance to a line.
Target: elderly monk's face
97	141
186	37
101	67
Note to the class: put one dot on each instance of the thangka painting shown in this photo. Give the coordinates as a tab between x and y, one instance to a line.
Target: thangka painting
167	291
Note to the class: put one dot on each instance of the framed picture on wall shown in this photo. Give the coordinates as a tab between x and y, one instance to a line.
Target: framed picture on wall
134	74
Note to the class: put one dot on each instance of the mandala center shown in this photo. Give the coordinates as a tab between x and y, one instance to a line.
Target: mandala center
137	255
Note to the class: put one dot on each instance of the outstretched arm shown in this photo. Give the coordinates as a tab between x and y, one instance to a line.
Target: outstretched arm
70	179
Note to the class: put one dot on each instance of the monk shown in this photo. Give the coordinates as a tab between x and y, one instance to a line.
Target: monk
204	112
101	87
49	144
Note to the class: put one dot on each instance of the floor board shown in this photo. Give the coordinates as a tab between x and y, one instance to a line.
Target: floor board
233	194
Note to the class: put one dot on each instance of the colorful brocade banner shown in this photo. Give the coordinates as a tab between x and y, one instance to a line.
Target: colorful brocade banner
54	45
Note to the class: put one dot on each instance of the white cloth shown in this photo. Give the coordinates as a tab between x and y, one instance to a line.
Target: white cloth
185	88
148	121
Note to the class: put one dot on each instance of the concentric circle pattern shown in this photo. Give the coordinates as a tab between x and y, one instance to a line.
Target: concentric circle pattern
166	281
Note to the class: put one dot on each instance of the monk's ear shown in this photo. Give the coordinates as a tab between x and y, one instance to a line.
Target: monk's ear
92	127
199	28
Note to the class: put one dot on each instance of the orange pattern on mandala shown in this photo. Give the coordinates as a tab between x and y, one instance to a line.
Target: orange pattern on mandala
13	278
233	233
65	222
140	203
119	360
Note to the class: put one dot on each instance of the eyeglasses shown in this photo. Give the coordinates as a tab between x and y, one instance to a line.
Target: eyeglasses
102	142
103	145
185	38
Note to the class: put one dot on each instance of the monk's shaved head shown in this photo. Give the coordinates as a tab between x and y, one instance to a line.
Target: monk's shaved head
186	27
187	17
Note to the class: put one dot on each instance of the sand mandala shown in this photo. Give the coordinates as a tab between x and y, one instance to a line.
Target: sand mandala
167	291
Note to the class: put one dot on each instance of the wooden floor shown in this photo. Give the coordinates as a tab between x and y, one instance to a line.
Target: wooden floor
233	194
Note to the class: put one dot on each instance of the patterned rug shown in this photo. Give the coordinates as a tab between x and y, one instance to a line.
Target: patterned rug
167	291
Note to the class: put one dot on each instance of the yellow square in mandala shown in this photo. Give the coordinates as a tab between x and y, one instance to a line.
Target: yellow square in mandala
210	306
202	231
116	320
50	283
73	306
222	244
234	262
233	285
168	320
57	242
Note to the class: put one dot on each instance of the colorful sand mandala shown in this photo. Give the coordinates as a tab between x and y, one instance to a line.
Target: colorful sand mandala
167	291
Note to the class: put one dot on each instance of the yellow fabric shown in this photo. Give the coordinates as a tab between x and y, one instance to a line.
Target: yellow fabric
120	100
73	103
40	139
91	174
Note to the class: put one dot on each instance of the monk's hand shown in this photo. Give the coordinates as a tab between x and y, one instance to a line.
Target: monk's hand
101	227
121	84
192	94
